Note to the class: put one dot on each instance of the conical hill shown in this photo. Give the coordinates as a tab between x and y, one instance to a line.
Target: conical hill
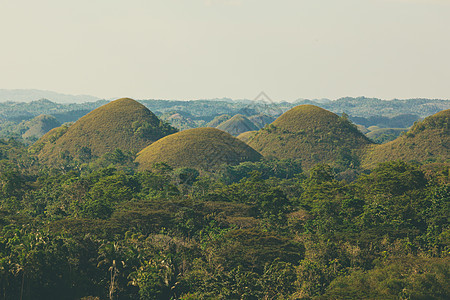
123	123
309	133
237	125
40	125
201	148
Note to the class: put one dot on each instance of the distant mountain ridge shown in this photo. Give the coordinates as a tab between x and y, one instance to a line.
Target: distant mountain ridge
367	107
28	95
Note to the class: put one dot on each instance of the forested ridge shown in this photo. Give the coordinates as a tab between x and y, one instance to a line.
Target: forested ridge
102	229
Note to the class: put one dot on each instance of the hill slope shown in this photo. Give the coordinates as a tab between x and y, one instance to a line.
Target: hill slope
261	120
384	135
123	123
201	148
218	120
428	140
40	125
247	136
310	133
237	125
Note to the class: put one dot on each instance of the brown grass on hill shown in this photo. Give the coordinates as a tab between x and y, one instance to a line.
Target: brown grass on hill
201	148
309	133
124	124
426	141
48	138
247	136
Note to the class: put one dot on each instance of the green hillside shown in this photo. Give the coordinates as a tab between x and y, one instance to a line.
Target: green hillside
202	148
237	125
310	133
247	136
48	138
40	125
426	141
123	123
384	135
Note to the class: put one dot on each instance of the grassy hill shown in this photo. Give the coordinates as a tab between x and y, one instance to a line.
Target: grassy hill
310	133
247	136
426	141
201	148
237	125
383	135
48	138
123	123
40	125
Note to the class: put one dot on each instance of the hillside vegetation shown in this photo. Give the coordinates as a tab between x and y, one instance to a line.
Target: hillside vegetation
312	134
426	141
247	136
202	148
384	135
124	124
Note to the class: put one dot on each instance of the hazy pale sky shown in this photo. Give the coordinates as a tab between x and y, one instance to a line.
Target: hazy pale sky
190	49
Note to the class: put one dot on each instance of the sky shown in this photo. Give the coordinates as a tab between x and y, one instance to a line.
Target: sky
199	49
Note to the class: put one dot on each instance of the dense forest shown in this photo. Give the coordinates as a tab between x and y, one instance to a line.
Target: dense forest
257	230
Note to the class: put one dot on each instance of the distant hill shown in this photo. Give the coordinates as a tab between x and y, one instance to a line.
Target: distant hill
237	125
367	107
384	135
28	95
181	120
426	141
201	148
309	133
261	120
399	121
218	120
40	125
20	111
124	124
247	136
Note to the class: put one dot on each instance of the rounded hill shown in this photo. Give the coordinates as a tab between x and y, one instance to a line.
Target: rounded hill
123	123
427	141
201	148
237	125
309	133
40	125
